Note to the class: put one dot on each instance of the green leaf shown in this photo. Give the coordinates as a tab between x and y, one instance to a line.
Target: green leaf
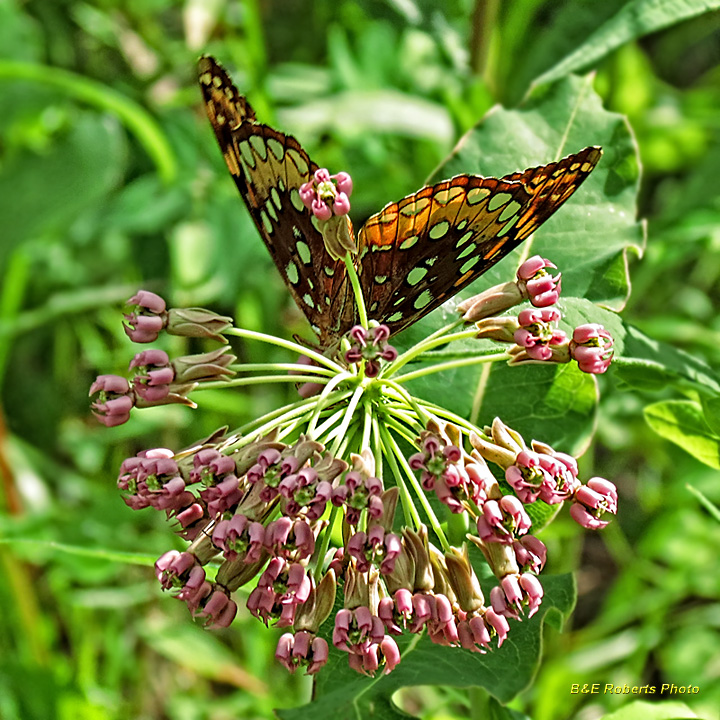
682	422
589	237
115	556
641	710
132	115
711	410
192	647
648	364
342	694
635	19
376	111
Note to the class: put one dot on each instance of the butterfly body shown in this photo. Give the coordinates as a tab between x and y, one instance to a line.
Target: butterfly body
413	255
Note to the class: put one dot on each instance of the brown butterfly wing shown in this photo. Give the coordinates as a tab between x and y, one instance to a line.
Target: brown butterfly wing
268	168
421	251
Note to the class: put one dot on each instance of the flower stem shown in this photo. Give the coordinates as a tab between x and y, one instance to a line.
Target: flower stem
401	413
396	423
325	543
411	401
260	380
355	282
456	419
377	447
278	417
322	401
352	405
281	367
450	364
332	420
432	518
287	344
367	425
409	511
434	340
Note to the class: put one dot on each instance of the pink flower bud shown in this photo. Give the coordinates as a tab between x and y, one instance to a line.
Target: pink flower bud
592	348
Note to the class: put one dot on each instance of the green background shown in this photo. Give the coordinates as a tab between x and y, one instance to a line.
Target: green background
110	181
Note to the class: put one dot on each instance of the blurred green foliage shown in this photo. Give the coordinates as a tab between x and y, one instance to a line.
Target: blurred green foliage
110	181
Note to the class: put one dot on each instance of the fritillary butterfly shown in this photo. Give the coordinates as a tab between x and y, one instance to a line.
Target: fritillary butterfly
413	255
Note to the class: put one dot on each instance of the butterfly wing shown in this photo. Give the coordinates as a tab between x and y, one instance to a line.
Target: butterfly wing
268	168
550	186
421	251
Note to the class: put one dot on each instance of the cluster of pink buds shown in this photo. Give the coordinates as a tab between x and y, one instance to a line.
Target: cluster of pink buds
148	316
538	331
534	331
157	380
370	346
541	473
327	195
456	477
536	284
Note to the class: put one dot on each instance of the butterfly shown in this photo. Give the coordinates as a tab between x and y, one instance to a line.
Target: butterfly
413	255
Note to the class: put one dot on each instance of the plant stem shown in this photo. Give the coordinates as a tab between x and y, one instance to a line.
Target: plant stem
357	290
352	405
325	543
259	380
450	364
281	367
322	401
287	344
456	419
278	417
411	514
432	518
411	401
434	340
330	422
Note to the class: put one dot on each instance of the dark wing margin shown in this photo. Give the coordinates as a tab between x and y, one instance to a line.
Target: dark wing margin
551	185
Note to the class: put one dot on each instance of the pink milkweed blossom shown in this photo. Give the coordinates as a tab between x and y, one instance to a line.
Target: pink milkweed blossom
538	331
502	521
327	195
115	400
370	346
302	649
592	347
147	317
537	284
592	501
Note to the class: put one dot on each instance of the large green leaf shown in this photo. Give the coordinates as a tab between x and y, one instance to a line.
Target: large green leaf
648	364
633	20
342	694
588	239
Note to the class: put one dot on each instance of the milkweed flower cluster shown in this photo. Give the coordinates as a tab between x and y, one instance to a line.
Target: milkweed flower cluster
322	498
535	331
